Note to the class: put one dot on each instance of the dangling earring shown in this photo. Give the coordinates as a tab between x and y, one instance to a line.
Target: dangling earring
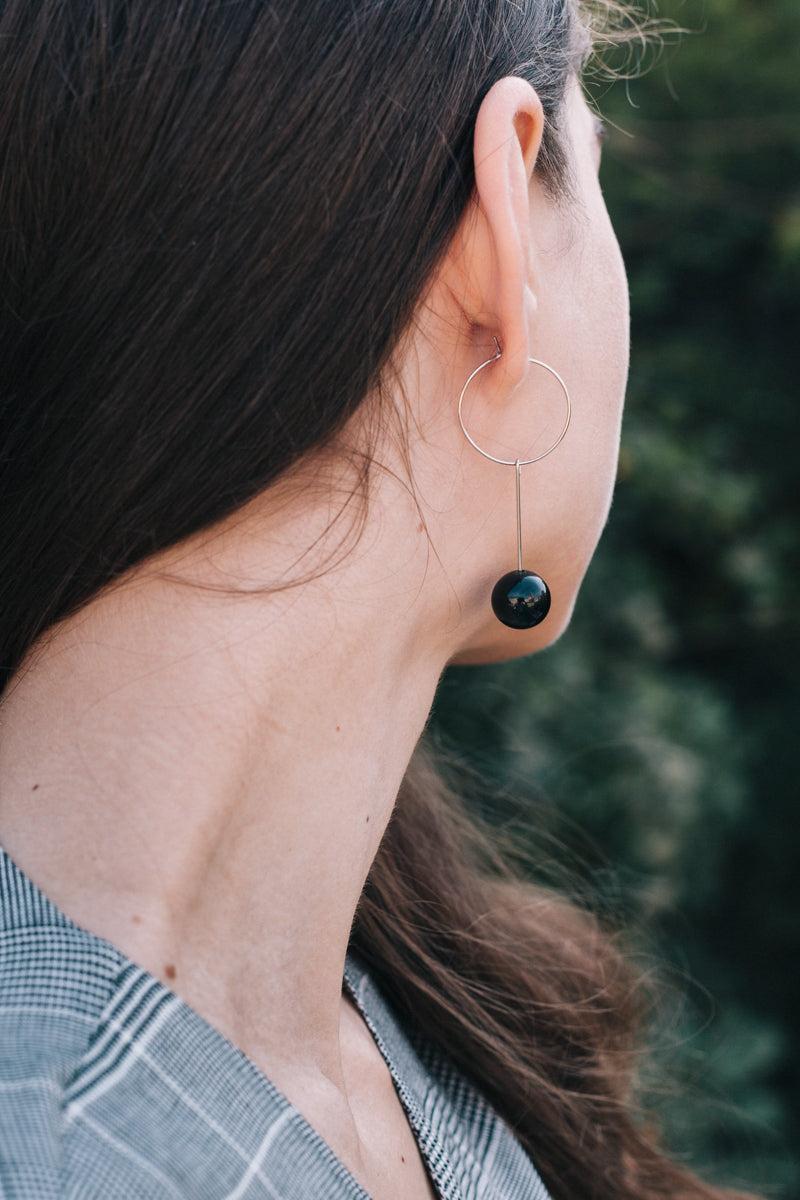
521	599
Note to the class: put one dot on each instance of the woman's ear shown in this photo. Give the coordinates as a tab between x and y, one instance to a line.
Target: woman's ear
491	255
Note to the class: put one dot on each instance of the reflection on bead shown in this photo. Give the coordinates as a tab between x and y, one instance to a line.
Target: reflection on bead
521	599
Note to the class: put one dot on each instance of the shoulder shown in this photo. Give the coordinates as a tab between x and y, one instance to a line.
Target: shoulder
112	1087
55	980
55	984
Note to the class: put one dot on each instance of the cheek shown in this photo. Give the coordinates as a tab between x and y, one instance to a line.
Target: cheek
610	293
601	281
616	294
579	479
600	379
600	356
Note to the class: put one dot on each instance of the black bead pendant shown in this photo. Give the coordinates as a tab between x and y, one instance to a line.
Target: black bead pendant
521	599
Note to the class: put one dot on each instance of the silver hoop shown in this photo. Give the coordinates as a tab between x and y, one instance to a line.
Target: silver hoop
514	462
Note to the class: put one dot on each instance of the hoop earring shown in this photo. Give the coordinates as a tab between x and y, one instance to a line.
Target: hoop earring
520	599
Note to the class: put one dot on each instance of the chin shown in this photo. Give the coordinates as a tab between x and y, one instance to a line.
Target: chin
495	642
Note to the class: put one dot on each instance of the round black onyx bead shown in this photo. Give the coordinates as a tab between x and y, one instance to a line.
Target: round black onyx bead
521	599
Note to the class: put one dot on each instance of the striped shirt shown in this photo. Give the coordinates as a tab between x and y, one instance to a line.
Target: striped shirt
111	1088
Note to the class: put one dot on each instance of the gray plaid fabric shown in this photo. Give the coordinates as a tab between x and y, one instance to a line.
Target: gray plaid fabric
111	1088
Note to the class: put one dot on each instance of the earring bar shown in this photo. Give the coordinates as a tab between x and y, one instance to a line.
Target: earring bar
519	513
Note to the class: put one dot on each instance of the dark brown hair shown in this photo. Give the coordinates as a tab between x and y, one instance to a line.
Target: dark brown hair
525	991
217	218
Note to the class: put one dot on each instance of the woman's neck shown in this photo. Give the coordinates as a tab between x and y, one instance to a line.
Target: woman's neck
203	779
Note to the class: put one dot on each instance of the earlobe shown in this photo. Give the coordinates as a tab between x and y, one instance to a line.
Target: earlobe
508	134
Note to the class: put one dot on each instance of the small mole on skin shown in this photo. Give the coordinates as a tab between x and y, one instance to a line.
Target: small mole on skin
368	820
420	528
402	1158
169	971
35	786
136	920
338	728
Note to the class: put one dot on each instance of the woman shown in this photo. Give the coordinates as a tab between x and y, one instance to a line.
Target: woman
251	258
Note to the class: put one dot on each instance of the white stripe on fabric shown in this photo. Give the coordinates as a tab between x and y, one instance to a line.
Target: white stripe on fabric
19	1085
255	1166
18	1010
125	1149
106	1050
137	1050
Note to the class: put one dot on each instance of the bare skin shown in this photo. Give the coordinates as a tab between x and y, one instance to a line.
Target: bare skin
397	1169
202	776
171	804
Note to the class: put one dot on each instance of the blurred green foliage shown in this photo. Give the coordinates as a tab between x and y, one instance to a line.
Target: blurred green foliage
656	747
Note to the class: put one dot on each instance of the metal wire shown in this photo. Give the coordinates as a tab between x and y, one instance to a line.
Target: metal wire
514	462
519	514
